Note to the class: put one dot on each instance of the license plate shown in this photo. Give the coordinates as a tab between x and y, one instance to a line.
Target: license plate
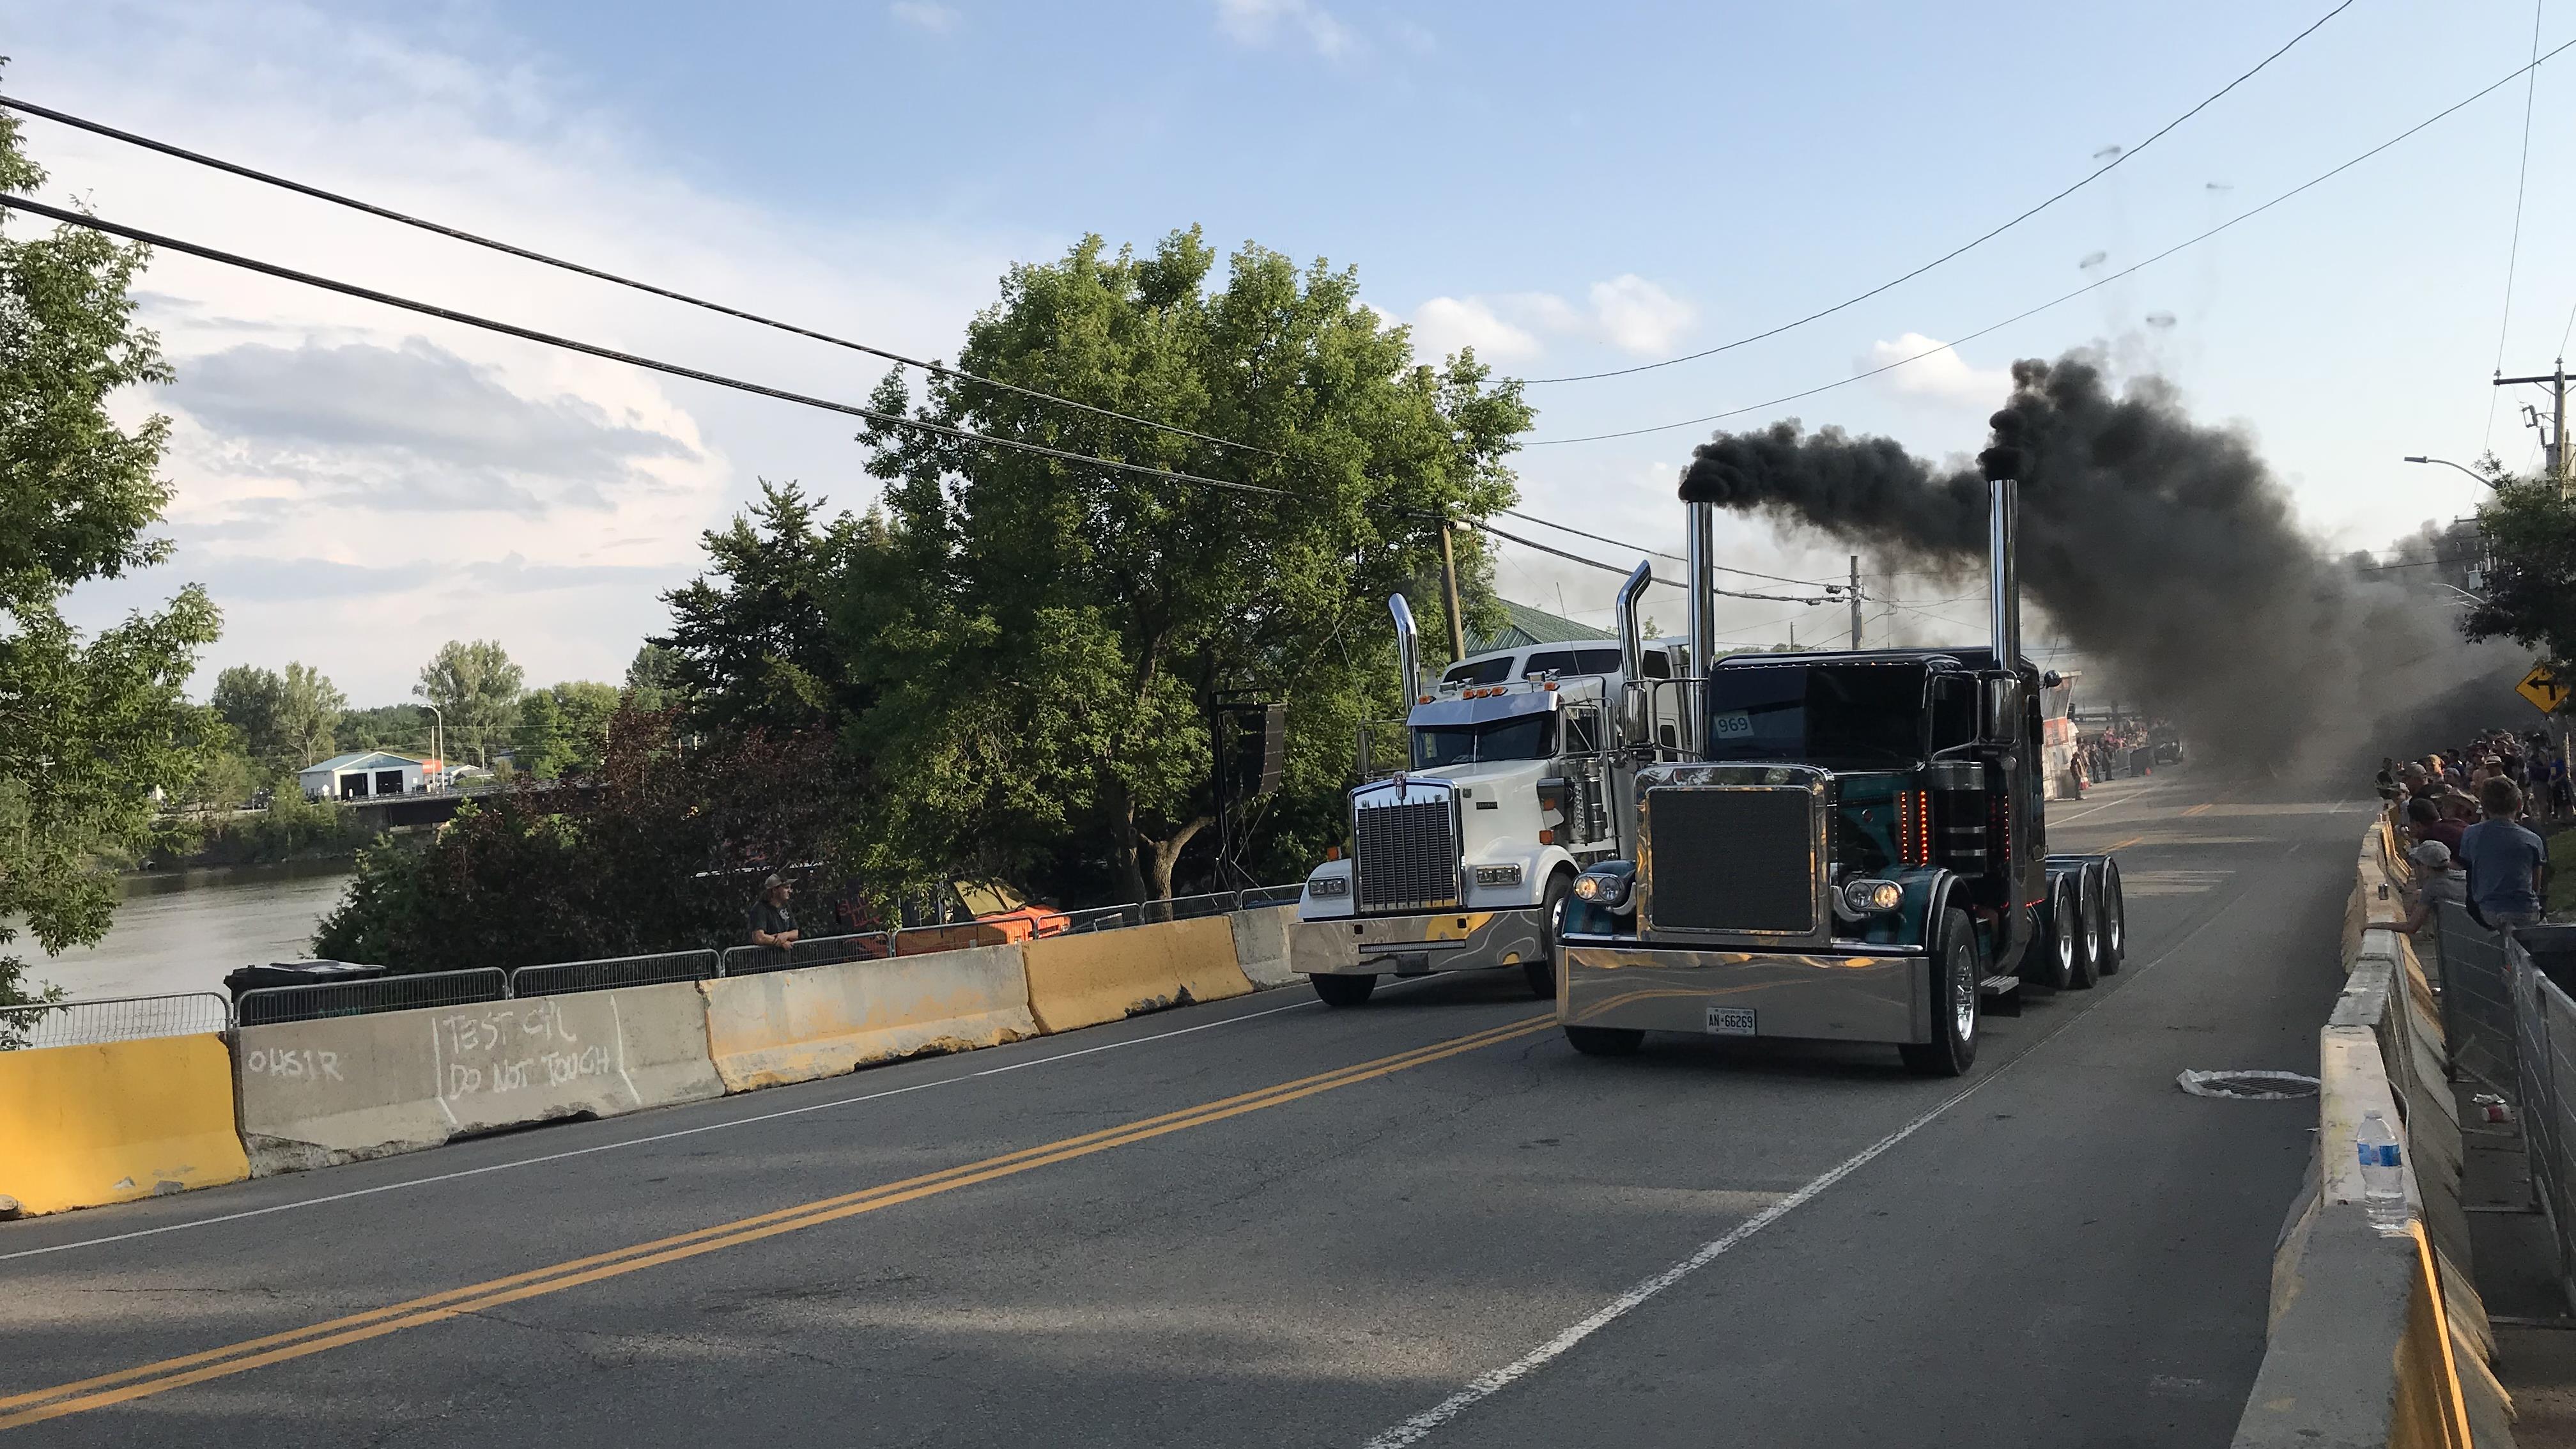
1731	1021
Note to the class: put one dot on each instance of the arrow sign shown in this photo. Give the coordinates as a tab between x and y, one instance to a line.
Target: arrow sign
2543	689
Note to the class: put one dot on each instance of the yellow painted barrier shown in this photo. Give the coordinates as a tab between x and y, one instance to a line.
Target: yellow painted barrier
86	1125
1077	981
821	1021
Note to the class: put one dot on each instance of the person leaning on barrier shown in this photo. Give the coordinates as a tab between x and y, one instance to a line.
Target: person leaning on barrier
771	922
2436	883
2508	867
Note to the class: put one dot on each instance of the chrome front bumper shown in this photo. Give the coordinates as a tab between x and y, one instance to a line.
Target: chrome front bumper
1855	996
1417	945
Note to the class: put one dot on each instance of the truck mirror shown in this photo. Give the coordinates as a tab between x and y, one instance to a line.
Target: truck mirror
2001	722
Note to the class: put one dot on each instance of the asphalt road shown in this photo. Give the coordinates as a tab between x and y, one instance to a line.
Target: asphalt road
1266	1222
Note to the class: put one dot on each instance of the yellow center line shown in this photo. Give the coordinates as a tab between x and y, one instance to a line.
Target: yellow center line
124	1385
2120	845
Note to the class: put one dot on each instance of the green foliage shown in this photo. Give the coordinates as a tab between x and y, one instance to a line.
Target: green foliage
653	681
2529	593
89	726
291	828
748	645
1036	644
283	721
662	855
401	727
476	687
563	730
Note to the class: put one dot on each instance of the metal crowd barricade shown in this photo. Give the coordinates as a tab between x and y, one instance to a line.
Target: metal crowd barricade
2545	1027
271	1005
562	978
809	951
111	1018
1277	895
2478	1016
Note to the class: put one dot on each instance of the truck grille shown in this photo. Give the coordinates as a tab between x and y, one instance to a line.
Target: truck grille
1407	855
1731	860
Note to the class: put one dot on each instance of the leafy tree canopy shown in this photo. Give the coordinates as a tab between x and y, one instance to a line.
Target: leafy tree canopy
2528	591
563	729
748	646
476	689
1041	641
89	726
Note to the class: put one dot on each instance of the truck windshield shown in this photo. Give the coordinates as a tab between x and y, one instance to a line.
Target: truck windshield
1522	737
1835	715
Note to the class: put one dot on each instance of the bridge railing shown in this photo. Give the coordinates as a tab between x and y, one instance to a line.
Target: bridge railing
561	978
111	1018
272	1005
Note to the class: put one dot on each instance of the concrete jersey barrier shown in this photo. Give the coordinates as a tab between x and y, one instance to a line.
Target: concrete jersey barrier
1085	980
82	1126
349	1088
1261	946
821	1021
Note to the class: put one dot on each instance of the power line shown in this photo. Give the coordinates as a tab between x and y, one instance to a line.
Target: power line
1659	553
508	249
1615	569
2513	252
2087	180
530	334
2078	292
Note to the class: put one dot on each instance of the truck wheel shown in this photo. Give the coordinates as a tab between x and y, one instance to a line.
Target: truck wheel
1604	1041
1542	971
2079	931
1344	990
2115	919
1953	1047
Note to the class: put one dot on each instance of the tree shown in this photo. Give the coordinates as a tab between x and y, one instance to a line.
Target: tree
748	642
1037	643
2529	593
563	730
476	689
308	708
89	726
652	679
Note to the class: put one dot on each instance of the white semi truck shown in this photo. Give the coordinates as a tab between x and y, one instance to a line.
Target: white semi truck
1515	779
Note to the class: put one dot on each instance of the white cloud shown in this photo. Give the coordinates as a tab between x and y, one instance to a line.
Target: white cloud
1444	324
1941	373
339	447
1260	22
1628	312
936	19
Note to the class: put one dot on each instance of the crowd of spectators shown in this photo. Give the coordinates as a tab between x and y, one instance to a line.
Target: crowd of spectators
2468	819
2125	749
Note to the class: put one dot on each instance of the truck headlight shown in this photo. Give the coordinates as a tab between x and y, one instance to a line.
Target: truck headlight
1498	875
1873	895
1602	889
1329	885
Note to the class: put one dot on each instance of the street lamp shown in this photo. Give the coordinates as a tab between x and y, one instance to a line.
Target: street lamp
2447	463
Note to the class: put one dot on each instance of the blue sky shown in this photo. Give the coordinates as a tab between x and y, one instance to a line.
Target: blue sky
1567	188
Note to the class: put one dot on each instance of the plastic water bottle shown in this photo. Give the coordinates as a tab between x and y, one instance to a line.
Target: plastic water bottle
2383	1178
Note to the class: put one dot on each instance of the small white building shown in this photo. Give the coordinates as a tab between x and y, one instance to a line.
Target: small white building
366	775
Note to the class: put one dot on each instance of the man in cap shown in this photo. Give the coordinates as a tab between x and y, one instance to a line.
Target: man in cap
771	923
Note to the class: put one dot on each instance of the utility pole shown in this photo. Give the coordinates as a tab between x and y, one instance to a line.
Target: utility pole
1855	600
2555	443
1449	592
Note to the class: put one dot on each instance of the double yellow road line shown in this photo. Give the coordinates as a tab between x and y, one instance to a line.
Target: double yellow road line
144	1380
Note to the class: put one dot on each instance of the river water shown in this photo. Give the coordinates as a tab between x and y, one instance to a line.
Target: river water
182	931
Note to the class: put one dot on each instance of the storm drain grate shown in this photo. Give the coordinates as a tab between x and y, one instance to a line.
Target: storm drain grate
2253	1086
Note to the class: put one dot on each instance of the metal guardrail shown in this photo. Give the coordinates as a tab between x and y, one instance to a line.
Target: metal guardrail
2545	1037
111	1018
561	978
2478	1015
272	1005
809	951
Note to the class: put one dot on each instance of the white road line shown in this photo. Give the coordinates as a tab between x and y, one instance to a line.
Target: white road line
639	1141
1485	1385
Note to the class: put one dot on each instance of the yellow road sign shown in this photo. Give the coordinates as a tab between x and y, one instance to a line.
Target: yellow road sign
2544	689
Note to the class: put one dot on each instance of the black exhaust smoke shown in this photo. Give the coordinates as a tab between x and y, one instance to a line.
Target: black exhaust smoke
2163	549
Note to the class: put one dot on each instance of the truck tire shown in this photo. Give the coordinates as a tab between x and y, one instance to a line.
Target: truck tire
2115	919
1542	972
1344	990
1604	1041
1955	969
2079	923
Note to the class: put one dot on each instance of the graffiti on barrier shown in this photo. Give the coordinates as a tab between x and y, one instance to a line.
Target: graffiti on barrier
514	1047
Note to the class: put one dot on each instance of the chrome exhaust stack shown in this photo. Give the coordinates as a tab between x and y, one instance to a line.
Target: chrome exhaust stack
2002	465
1701	561
1632	651
1408	650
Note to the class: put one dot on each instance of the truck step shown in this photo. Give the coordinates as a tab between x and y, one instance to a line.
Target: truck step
2002	995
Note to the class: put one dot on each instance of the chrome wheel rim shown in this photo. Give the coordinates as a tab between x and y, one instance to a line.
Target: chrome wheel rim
1963	998
2065	939
2114	917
